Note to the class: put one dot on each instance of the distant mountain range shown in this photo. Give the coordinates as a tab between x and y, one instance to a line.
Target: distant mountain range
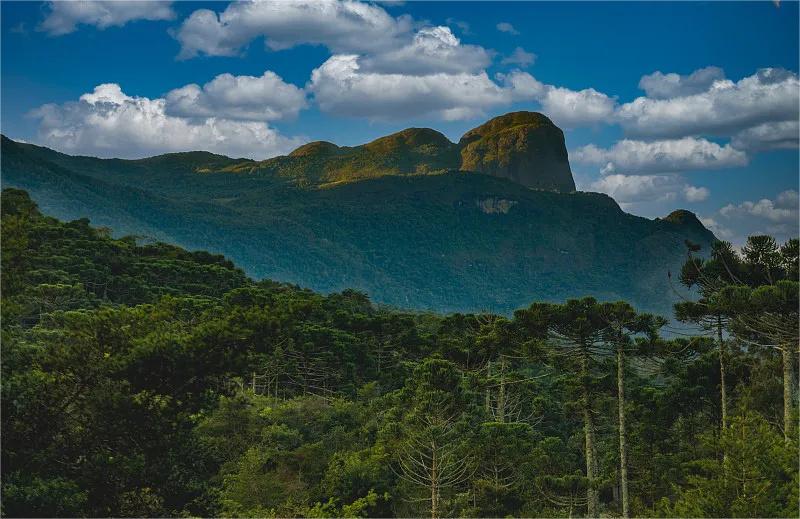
414	220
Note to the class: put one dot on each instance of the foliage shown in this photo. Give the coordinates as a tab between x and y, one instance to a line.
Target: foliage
144	380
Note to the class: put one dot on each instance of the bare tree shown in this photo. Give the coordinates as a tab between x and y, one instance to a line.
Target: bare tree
430	458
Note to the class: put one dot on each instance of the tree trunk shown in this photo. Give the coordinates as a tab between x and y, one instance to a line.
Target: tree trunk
501	393
623	447
592	495
788	422
434	484
488	400
722	390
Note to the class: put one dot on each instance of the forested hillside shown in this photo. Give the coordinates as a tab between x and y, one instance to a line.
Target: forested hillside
140	379
376	218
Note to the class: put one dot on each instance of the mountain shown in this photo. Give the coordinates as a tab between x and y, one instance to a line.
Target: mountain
400	218
525	147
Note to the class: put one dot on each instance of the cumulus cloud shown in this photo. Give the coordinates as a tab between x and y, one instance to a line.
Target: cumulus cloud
519	57
109	123
572	108
263	98
343	27
768	136
506	27
781	210
64	17
566	107
341	87
523	86
778	217
633	189
382	67
666	156
695	194
385	67
640	188
719	230
664	86
770	95
432	50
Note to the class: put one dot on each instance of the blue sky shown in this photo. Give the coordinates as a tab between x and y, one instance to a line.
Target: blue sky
664	105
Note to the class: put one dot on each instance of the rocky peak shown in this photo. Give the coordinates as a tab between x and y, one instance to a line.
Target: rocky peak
525	147
684	217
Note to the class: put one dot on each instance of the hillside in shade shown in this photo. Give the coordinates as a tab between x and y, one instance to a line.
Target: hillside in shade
412	219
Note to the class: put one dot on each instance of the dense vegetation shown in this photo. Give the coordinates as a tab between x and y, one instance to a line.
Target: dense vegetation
145	380
447	242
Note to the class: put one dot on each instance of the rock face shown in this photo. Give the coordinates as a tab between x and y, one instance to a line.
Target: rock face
525	147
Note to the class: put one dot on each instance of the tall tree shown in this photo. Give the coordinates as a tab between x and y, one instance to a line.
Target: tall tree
576	330
623	325
761	303
709	276
767	317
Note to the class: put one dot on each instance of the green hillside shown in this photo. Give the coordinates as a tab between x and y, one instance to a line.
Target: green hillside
373	218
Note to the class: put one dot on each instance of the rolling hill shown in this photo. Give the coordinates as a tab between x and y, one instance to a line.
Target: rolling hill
412	219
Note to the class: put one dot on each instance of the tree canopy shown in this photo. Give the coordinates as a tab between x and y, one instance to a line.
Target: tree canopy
141	379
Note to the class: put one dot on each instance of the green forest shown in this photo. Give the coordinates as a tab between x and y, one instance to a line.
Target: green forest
142	379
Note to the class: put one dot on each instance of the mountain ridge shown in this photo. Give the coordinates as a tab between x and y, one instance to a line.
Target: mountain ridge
449	241
525	147
504	146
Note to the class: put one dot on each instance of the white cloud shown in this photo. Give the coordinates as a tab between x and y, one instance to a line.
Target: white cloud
566	107
432	50
108	123
341	87
263	98
382	67
781	210
695	194
386	67
664	86
572	108
520	57
719	230
523	86
506	27
346	26
768	136
64	17
667	156
769	95
778	217
788	199
633	189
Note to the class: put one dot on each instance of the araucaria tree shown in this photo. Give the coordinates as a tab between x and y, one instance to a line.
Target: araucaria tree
624	326
576	332
754	297
432	454
709	276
